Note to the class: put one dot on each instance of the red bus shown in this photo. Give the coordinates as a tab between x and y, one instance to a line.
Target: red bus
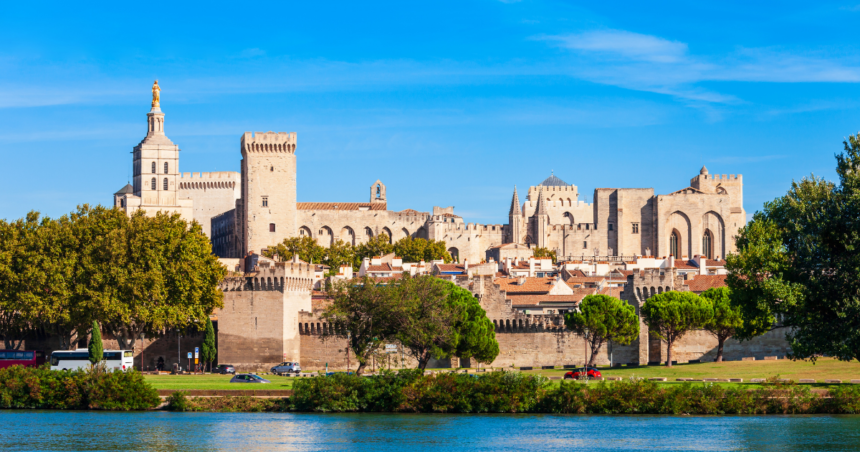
26	358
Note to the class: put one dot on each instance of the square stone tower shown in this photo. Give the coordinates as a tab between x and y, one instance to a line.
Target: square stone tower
268	189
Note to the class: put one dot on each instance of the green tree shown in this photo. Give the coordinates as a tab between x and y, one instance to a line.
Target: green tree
96	348
544	252
366	314
208	350
418	249
306	247
797	260
476	334
429	327
727	318
602	318
154	274
340	253
376	246
671	315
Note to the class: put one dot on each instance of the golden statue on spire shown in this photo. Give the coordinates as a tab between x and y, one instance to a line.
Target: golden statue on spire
156	94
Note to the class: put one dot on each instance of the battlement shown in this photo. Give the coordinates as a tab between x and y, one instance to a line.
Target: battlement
282	277
725	179
269	142
204	181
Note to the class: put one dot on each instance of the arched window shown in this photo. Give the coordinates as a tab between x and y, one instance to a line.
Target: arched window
165	168
165	183
153	167
708	244
673	244
153	183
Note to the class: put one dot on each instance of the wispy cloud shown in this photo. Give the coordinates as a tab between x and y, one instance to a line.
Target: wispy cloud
623	44
655	64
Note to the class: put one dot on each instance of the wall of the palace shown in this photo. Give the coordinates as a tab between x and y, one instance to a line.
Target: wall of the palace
358	226
212	194
469	241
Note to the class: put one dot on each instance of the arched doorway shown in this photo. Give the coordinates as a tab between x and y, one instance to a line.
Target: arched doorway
455	254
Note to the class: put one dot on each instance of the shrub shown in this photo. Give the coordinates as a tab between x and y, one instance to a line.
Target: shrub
29	387
178	402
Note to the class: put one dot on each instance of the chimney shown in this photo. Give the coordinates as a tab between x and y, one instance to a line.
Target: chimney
702	261
531	266
466	265
521	280
671	261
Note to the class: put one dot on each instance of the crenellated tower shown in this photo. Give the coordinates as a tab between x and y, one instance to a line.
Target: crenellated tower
268	189
539	222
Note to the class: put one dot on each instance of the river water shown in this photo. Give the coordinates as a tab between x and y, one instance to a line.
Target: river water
164	431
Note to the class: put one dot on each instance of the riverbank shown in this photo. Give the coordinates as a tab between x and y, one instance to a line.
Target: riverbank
513	392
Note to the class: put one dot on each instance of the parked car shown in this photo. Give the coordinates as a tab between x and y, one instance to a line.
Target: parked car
287	368
248	378
224	369
591	372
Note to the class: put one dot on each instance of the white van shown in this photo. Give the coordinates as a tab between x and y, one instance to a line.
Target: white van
79	359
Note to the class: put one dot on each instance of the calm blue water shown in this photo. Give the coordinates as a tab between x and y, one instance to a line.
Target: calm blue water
162	431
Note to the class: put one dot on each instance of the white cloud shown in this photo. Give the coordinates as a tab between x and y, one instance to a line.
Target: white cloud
624	44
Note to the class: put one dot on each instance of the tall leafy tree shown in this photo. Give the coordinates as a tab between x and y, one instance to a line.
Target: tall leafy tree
208	350
340	253
797	260
306	247
156	273
96	348
671	315
417	249
366	314
429	327
602	318
376	246
476	334
727	318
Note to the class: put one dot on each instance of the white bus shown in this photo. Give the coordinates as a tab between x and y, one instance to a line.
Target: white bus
79	359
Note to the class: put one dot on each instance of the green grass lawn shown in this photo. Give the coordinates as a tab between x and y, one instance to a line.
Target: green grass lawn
822	369
189	382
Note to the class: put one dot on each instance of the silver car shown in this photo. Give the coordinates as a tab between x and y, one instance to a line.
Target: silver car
287	367
248	378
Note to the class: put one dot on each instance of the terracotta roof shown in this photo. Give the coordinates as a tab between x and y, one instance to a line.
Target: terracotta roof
715	263
451	268
577	273
341	205
411	212
688	265
531	285
537	300
383	268
586	279
701	283
624	272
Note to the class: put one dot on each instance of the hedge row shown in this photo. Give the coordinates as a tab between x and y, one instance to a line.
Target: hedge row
513	392
30	387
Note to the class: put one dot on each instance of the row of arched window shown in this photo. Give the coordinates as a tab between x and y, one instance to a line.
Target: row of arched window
707	244
165	168
153	183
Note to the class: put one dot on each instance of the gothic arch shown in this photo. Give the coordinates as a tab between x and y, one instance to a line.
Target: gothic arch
421	233
368	233
405	233
455	254
678	225
568	218
305	231
348	235
712	222
387	232
325	236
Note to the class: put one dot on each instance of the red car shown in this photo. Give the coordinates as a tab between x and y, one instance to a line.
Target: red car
576	374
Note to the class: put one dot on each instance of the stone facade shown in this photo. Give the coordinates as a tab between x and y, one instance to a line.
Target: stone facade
212	194
258	326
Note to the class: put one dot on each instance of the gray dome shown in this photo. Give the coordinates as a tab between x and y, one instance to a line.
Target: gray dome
553	181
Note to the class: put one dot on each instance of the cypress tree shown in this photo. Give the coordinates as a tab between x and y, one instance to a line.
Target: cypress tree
96	348
208	351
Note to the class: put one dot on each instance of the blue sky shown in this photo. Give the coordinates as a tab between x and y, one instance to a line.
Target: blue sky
448	103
